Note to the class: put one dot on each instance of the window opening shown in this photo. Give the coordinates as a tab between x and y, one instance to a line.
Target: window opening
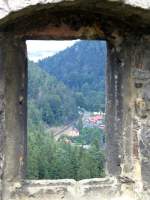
66	109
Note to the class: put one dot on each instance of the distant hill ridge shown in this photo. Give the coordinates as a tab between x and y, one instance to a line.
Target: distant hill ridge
81	68
83	63
61	84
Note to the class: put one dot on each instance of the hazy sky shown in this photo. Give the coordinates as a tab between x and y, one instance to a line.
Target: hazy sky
38	49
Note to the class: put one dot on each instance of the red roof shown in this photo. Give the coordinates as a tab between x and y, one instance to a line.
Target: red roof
96	118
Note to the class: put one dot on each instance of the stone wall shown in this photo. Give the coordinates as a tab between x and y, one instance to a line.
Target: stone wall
13	104
142	107
2	117
142	120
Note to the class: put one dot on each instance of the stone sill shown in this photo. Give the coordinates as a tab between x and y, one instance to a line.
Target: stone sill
67	189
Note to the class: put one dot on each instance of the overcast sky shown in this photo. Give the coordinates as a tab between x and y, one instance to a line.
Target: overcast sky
38	49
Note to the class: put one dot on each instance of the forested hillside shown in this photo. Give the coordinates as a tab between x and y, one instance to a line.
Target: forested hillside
60	90
49	100
81	68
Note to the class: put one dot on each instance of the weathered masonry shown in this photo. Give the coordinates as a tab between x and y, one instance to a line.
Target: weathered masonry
125	25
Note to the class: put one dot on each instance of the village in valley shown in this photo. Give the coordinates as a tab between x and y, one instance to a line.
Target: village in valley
93	119
90	121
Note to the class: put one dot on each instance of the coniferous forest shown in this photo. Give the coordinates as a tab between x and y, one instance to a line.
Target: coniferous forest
61	89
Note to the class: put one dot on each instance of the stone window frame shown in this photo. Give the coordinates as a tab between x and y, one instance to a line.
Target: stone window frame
123	152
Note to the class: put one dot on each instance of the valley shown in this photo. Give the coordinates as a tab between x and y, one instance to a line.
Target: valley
66	113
